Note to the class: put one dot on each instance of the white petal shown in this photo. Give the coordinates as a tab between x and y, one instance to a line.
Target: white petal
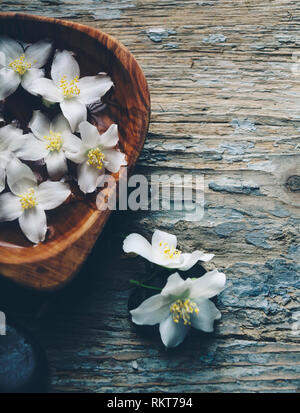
30	77
51	194
211	284
5	158
71	143
139	245
204	320
10	48
109	138
161	236
33	149
38	53
2	60
64	64
60	124
89	134
56	164
87	177
176	286
93	88
172	334
113	160
2	178
19	177
9	82
11	138
46	88
33	223
39	124
190	259
10	207
77	157
74	111
152	311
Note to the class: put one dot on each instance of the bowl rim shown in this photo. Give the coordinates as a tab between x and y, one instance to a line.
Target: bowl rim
22	255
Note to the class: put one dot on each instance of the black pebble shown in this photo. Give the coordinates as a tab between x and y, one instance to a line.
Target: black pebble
23	363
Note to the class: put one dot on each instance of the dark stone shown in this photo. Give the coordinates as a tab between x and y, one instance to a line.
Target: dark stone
293	183
23	363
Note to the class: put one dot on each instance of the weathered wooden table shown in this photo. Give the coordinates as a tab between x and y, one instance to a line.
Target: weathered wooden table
224	80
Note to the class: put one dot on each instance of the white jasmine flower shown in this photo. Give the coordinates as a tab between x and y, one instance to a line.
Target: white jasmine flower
72	93
96	154
11	140
19	66
163	251
180	305
50	141
28	201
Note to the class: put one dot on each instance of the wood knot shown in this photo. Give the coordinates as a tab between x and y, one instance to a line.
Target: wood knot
293	183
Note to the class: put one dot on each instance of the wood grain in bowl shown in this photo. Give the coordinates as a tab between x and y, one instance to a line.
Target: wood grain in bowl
77	225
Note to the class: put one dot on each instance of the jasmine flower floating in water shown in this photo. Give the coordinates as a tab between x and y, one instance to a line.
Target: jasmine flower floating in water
71	92
163	251
11	141
28	201
182	304
51	141
19	66
96	153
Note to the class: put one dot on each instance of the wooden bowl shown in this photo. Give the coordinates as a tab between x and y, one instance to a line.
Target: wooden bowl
75	227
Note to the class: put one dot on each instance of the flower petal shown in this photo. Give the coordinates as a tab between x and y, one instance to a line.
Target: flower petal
10	207
77	157
60	124
64	64
51	194
71	143
161	236
9	82
139	245
56	164
110	137
33	149
176	286
30	77
88	177
152	311
11	138
10	48
33	223
93	87
2	178
74	111
204	320
38	53
46	88
89	134
211	284
190	259
19	177
113	160
172	334
39	124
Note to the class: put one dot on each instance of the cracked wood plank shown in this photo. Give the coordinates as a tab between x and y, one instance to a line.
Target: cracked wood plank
224	83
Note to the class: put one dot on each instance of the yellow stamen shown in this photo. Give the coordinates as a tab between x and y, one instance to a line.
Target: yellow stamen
20	65
54	141
183	309
69	89
28	199
169	252
95	158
